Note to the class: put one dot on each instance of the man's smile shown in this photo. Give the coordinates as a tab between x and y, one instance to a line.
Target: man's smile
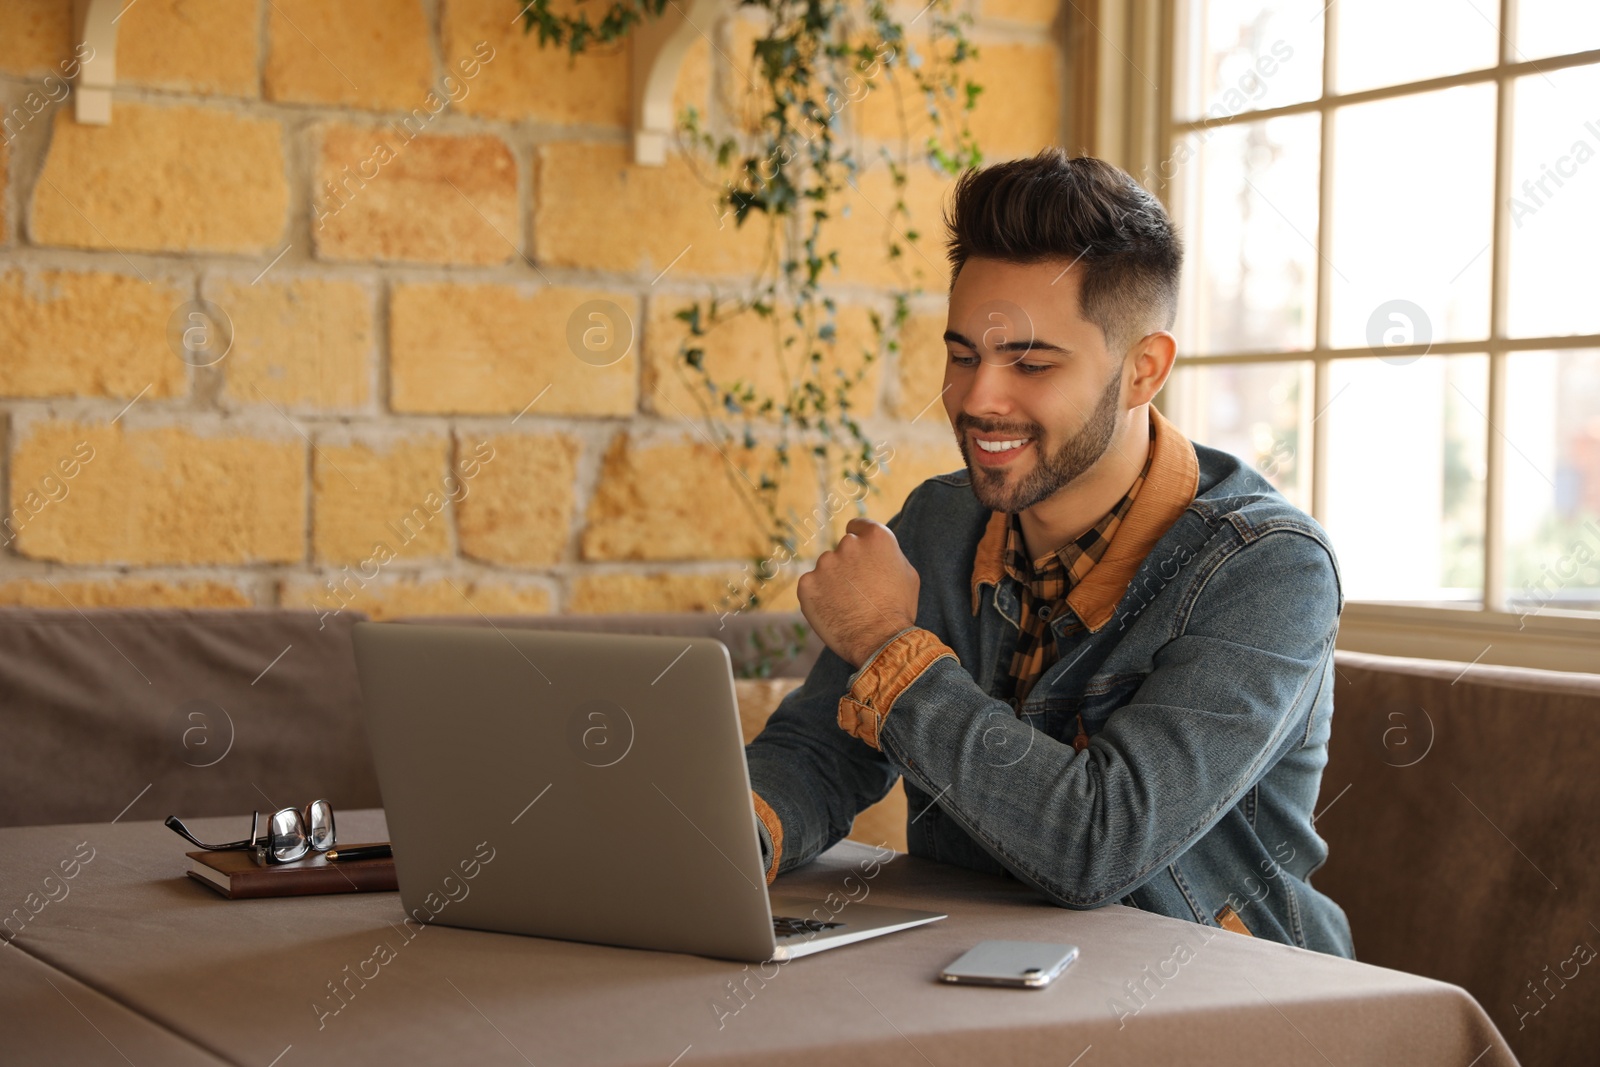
997	449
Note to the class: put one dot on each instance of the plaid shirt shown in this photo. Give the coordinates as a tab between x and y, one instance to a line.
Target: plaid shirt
1045	584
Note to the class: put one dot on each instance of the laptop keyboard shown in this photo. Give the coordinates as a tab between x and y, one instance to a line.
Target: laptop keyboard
790	926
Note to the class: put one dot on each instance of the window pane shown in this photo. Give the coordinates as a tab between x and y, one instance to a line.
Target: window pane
1407	458
1384	42
1552	494
1556	27
1413	188
1256	411
1246	201
1247	55
1555	204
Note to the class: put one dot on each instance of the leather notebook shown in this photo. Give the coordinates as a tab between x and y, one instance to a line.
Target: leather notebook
237	876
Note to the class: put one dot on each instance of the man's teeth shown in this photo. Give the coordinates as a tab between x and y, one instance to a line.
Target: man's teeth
1001	446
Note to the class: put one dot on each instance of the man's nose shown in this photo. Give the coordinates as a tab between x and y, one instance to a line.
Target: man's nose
992	382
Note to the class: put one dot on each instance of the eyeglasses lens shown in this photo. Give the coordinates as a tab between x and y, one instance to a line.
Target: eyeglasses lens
319	823
288	841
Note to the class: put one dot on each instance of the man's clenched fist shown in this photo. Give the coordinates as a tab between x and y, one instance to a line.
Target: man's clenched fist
861	593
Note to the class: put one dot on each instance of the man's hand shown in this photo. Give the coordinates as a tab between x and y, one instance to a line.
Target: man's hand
861	593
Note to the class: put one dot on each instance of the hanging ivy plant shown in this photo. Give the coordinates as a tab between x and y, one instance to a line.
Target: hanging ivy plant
811	62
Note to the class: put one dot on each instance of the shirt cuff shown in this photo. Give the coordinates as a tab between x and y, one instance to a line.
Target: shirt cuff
769	819
881	680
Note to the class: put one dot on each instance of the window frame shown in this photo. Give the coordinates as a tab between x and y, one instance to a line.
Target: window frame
1132	121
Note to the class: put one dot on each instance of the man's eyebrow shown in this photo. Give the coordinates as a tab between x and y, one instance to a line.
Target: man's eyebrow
1036	344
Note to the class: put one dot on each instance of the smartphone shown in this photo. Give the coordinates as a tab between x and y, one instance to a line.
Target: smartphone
1021	964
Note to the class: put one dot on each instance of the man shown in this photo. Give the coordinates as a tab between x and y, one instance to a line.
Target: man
1101	656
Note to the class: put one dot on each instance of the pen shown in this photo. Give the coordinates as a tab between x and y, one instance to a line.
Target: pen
361	852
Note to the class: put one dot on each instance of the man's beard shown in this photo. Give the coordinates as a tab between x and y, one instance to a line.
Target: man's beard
1051	470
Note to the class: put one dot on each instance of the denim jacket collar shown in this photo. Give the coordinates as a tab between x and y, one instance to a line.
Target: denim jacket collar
1169	488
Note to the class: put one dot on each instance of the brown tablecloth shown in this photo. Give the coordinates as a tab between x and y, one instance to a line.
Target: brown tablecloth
252	981
49	1017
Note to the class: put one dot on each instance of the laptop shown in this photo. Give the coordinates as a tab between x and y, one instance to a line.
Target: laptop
583	786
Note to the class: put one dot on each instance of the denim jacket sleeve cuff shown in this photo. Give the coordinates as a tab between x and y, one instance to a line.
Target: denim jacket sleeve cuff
774	828
881	680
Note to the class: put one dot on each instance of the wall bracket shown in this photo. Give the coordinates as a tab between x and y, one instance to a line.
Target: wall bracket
95	25
659	46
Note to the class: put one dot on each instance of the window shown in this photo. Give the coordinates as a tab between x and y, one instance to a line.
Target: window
1391	301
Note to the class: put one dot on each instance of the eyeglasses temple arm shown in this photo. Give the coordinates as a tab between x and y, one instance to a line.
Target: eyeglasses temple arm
176	826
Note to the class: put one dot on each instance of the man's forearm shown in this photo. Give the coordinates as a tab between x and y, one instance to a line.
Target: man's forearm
1040	806
809	778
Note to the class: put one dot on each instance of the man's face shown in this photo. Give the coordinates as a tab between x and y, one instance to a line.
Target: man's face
1030	388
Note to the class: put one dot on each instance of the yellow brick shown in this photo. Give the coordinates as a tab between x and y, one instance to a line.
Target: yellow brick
863	236
521	81
375	502
362	53
152	496
599	594
771	588
32	106
675	500
203	47
908	466
1029	12
122	593
746	348
1018	112
297	342
387	193
779	593
919	372
400	597
35	35
518	510
596	209
91	334
493	349
142	183
694	80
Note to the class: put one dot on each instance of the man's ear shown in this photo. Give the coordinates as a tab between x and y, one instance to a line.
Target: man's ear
1151	358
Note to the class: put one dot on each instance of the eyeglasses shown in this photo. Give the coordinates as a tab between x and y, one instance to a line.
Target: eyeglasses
291	833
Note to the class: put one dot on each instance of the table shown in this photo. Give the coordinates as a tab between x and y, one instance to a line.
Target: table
151	967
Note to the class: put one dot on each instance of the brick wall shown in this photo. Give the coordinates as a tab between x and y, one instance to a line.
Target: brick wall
400	424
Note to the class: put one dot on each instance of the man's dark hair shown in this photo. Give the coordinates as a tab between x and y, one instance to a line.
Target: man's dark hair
1053	206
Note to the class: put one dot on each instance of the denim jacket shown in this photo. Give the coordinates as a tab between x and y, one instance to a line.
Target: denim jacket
1199	653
